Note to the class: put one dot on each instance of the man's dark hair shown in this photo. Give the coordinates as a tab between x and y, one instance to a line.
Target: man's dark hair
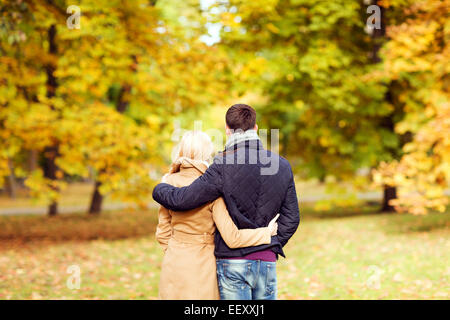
240	116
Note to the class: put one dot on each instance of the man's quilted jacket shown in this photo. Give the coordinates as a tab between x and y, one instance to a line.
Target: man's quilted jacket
256	185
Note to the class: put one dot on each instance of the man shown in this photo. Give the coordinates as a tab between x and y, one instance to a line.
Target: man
256	184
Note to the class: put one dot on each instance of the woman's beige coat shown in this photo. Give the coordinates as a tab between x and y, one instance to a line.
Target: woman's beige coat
189	266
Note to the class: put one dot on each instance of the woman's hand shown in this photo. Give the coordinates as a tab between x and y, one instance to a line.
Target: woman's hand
273	226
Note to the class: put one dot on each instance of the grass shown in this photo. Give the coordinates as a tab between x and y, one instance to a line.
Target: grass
340	254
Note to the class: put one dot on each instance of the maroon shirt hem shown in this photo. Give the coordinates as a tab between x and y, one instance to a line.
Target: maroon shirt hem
265	255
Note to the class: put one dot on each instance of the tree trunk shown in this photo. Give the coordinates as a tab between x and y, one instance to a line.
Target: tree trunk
121	106
122	101
50	173
379	37
51	152
11	185
390	193
97	200
32	160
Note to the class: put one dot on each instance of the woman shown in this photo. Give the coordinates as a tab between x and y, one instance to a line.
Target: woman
189	266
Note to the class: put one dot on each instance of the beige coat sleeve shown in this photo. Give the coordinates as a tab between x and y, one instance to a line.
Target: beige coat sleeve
233	237
164	228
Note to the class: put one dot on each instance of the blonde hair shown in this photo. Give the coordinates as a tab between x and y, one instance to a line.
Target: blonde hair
194	145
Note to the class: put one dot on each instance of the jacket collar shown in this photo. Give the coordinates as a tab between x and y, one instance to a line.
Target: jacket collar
238	137
249	144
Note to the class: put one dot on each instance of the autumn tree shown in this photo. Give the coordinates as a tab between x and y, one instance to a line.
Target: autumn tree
101	99
166	71
416	60
29	88
315	63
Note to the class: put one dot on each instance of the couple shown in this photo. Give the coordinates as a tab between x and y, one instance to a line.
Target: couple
239	197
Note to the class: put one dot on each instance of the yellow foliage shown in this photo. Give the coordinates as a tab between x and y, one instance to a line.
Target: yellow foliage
418	54
118	80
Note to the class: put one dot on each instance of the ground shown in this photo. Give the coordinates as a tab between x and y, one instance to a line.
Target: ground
340	254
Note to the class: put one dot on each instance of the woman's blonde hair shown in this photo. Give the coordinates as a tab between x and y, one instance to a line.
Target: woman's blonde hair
194	145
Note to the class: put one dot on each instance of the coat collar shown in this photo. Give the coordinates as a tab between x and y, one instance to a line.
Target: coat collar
184	163
239	137
250	144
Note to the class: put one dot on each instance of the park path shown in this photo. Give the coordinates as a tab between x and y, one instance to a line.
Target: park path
368	196
62	209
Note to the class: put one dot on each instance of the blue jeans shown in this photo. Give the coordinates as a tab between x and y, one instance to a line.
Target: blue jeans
247	279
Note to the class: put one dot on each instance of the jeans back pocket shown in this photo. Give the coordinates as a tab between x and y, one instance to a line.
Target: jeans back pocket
236	275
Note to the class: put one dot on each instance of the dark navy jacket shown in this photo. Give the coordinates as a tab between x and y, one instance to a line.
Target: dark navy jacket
255	183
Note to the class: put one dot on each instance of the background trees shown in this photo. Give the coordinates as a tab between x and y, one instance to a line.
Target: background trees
416	60
100	97
318	58
346	97
99	102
